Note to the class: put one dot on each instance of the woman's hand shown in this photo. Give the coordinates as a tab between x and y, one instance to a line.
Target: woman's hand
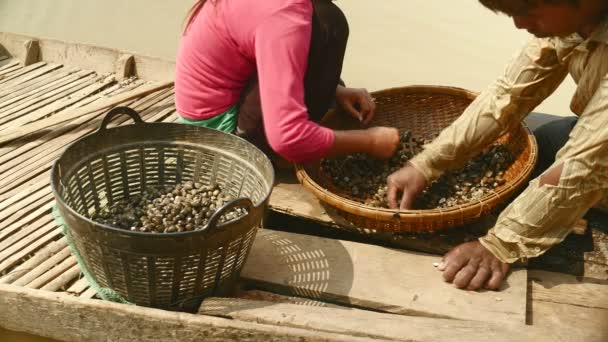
358	102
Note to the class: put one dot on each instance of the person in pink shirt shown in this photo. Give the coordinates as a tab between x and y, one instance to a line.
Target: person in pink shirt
268	71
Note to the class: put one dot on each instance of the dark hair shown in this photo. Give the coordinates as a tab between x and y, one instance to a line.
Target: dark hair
519	6
193	12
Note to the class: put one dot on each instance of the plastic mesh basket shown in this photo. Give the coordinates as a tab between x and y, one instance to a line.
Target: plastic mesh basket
172	270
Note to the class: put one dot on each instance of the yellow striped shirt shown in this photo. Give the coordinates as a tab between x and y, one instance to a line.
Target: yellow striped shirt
542	216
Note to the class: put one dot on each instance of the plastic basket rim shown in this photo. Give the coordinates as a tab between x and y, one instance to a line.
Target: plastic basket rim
208	230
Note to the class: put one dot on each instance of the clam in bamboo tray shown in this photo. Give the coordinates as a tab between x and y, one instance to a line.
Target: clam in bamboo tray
424	111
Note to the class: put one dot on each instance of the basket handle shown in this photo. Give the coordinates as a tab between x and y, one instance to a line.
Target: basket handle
239	202
120	110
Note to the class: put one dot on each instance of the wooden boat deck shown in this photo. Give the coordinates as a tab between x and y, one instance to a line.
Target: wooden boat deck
53	93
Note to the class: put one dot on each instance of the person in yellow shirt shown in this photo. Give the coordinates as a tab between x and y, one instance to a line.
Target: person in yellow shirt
570	36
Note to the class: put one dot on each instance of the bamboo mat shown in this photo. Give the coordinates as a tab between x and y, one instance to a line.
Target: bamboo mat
40	100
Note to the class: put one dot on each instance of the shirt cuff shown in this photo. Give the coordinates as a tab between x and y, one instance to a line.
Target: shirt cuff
499	248
423	162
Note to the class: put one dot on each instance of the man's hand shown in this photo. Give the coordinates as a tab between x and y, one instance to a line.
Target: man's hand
409	182
471	266
357	102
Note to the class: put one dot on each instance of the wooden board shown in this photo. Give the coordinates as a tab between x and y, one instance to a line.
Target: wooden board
558	299
385	326
374	277
89	57
567	289
67	318
266	296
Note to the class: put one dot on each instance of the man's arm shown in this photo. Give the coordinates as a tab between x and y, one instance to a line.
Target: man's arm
530	78
543	215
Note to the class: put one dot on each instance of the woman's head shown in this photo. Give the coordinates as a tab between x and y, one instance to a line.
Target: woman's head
545	18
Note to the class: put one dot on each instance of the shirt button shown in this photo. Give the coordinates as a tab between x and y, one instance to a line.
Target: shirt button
513	254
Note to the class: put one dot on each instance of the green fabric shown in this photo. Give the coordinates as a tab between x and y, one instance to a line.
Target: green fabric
103	292
225	122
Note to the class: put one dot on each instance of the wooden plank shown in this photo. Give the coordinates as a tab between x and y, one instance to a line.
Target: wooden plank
9	65
62	100
36	86
78	287
47	140
29	249
289	197
63	279
265	296
124	67
558	299
567	289
39	270
25	230
385	326
33	87
36	94
37	182
52	273
11	215
349	272
41	164
41	102
32	52
55	136
12	134
23	243
69	318
151	68
88	293
22	77
7	71
10	152
551	315
39	257
43	88
14	226
26	191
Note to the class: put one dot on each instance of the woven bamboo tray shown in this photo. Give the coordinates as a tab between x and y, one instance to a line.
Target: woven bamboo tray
425	111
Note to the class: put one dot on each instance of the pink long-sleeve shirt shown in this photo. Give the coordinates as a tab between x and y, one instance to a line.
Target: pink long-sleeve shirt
227	42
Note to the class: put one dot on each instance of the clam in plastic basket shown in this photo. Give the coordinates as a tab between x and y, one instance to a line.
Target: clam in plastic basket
424	111
169	270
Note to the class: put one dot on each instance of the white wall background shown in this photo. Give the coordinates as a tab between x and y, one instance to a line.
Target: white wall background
392	42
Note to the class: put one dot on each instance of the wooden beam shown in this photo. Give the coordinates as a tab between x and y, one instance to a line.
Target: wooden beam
32	52
124	67
67	318
89	57
567	289
562	300
266	296
374	277
384	326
